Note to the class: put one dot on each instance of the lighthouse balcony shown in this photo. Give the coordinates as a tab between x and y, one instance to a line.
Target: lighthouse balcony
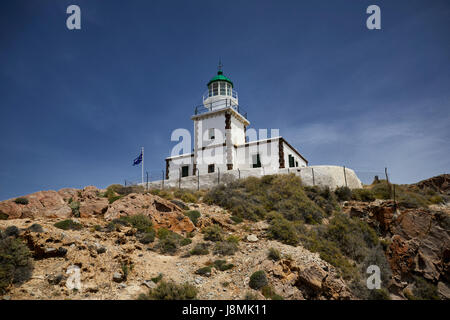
223	92
220	105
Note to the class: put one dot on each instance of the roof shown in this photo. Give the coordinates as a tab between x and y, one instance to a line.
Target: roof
220	77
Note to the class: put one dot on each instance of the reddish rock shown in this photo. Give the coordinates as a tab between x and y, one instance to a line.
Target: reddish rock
162	212
48	204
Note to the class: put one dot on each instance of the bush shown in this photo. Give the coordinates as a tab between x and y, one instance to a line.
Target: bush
269	293
213	233
252	198
16	265
222	265
424	290
36	228
186	195
193	215
258	280
171	291
282	230
12	231
140	222
225	248
274	254
23	201
147	237
236	219
158	278
185	242
343	193
379	294
3	216
75	207
364	195
200	249
169	241
205	271
68	225
436	199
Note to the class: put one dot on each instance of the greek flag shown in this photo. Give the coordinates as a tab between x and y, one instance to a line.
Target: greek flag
137	160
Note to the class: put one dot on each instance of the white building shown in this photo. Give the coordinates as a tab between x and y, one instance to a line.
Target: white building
221	141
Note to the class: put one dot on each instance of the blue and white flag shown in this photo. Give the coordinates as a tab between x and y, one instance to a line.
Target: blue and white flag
137	160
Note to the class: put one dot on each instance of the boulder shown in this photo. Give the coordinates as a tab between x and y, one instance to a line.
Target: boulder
46	204
163	213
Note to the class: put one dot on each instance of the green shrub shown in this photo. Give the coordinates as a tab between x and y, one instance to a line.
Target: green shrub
158	278
36	228
16	265
364	195
343	193
424	290
23	201
379	294
282	230
75	207
200	249
274	254
236	219
225	248
68	225
170	242
114	198
213	233
382	190
141	222
269	293
185	242
258	280
147	237
193	215
171	291
353	236
222	265
163	233
186	195
250	296
252	198
12	231
3	216
205	271
436	199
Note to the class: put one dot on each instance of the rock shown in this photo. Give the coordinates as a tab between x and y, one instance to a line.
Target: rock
180	204
93	207
311	278
118	277
55	279
46	204
443	290
150	284
163	213
252	238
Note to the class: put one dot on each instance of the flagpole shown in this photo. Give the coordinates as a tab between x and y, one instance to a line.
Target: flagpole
142	165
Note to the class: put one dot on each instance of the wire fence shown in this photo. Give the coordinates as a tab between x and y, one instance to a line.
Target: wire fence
314	175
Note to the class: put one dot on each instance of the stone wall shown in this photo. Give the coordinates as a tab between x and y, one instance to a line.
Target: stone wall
331	176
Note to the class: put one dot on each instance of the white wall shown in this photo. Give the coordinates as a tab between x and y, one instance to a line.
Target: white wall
289	151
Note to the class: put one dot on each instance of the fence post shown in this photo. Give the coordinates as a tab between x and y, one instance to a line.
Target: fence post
388	183
345	177
146	172
394	192
198	179
314	181
239	174
218	175
162	181
179	178
125	183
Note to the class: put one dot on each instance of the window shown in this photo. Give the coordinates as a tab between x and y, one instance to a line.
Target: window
222	88
184	171
215	87
228	89
210	168
291	161
256	161
296	163
211	134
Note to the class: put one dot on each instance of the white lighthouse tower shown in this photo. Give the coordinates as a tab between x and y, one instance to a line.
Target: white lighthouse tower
220	144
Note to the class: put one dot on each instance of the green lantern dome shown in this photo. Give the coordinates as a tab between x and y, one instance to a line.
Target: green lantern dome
220	77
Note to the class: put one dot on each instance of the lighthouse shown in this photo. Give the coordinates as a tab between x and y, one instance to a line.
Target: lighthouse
221	143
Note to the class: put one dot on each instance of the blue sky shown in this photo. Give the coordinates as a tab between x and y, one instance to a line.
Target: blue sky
76	106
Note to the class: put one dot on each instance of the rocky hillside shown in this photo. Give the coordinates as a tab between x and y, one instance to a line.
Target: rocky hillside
267	238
